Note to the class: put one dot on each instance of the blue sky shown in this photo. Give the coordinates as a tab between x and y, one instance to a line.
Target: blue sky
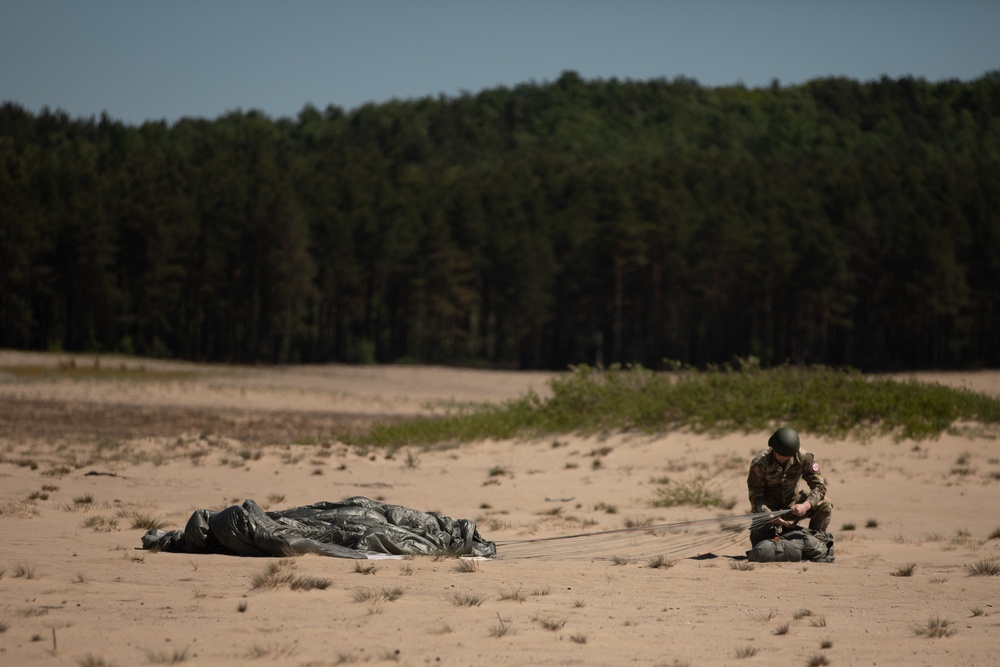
142	60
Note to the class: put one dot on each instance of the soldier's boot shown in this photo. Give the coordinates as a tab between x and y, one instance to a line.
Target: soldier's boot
819	516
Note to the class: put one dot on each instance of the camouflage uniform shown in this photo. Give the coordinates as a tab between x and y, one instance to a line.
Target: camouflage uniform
774	486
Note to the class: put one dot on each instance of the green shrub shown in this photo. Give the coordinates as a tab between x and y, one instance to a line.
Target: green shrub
818	400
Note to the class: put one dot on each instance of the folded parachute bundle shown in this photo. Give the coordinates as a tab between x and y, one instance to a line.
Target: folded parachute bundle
794	545
354	528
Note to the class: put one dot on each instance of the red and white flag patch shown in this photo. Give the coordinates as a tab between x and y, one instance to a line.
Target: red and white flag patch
815	467
756	470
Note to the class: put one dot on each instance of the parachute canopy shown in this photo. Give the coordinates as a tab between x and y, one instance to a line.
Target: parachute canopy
354	528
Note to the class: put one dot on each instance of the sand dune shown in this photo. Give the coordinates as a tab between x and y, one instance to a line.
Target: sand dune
164	439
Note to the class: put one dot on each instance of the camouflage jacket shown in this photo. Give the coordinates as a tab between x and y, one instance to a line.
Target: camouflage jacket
772	485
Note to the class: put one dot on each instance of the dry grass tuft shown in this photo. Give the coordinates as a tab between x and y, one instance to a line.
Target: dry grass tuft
366	595
277	574
377	596
551	623
257	651
158	658
904	570
23	571
818	661
698	492
746	652
964	538
782	629
502	628
467	599
412	460
936	627
392	594
741	565
141	520
308	583
658	562
466	566
18	509
101	524
366	568
32	612
988	567
515	595
271	577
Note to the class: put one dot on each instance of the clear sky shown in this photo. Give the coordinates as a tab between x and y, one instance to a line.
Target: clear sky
144	59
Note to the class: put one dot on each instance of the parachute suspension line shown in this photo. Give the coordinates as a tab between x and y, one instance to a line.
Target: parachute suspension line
669	539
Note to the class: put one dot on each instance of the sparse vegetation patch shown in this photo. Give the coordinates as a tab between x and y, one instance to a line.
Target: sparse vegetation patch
698	492
936	627
278	574
23	570
988	567
467	599
742	397
658	562
904	570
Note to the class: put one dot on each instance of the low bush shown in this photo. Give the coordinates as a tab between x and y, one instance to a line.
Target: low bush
819	400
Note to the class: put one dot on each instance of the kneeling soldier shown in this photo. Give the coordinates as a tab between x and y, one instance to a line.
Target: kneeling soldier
773	485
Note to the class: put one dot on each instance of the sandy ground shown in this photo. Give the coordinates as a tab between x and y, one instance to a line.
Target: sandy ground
87	446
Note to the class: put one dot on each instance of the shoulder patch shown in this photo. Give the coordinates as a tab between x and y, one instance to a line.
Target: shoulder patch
756	470
815	467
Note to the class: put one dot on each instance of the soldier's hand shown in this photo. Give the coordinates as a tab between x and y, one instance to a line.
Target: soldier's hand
801	508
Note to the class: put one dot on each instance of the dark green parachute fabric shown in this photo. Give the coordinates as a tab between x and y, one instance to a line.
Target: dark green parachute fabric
353	528
794	545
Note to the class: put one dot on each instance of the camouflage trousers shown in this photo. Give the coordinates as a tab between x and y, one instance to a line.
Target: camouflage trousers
819	519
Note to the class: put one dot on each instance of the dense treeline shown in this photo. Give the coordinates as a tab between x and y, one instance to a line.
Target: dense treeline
841	222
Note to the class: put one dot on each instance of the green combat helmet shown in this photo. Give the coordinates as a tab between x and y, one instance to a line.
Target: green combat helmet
785	441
